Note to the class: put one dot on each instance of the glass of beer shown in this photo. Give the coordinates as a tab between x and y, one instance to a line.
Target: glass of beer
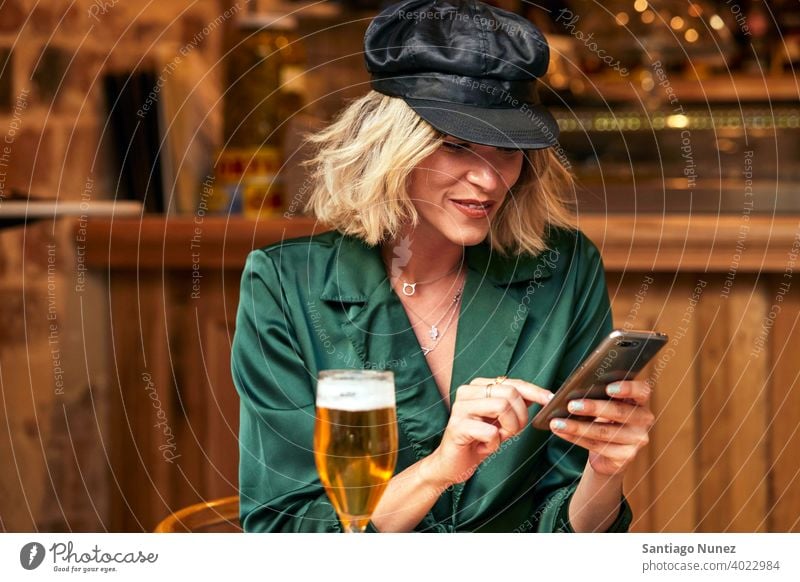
355	441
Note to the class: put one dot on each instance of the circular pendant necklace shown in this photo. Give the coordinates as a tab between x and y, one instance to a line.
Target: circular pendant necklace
410	288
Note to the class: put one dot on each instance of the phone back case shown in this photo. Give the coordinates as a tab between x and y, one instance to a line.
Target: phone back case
621	356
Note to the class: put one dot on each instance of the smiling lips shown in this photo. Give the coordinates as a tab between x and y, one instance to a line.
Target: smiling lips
473	208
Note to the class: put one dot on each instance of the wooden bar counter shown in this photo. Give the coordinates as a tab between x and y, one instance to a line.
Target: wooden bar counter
723	452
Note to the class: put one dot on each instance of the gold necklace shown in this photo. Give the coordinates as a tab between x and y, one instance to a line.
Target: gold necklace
434	333
410	288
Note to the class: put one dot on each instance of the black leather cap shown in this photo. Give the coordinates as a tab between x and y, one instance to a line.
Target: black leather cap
467	68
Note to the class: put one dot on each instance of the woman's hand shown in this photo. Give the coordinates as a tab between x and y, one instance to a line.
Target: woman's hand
619	432
479	424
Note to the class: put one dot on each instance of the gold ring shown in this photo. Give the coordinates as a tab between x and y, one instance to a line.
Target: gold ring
489	389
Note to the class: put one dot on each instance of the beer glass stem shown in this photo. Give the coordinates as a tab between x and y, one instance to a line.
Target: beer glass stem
358	525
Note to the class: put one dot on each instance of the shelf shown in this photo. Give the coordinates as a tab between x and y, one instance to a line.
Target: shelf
729	89
22	212
671	243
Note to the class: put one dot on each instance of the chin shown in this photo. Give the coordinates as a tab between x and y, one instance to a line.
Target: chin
468	237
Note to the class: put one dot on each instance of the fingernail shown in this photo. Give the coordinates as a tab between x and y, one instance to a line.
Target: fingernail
576	405
550	396
614	388
559	425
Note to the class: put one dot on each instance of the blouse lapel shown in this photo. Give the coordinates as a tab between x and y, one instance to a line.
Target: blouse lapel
382	337
497	298
486	335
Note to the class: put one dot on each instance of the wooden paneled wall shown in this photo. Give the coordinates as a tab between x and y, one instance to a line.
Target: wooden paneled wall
174	434
722	454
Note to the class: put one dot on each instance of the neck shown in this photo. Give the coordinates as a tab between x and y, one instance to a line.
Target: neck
413	260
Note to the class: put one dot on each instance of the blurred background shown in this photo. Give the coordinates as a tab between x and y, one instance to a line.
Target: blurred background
147	147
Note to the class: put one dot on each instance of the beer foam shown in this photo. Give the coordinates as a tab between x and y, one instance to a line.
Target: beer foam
354	395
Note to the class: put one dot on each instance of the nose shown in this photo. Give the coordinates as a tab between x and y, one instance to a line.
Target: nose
484	174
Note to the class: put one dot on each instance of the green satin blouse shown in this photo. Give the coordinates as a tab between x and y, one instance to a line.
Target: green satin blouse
325	302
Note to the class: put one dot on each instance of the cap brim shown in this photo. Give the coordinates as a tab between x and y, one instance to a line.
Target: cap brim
526	127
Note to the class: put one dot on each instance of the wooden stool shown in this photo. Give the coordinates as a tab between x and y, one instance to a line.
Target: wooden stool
218	515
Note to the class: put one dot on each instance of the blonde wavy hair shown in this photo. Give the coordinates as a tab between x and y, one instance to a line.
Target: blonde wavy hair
362	160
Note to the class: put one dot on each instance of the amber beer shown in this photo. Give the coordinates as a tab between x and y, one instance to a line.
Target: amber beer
355	441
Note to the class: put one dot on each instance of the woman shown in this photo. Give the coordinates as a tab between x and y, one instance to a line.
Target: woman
454	263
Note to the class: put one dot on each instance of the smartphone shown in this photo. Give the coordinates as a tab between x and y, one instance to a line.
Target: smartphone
620	356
